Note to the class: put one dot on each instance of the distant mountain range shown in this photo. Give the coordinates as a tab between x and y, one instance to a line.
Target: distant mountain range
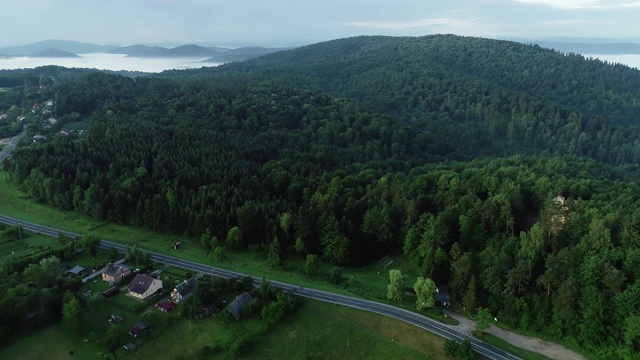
68	49
73	47
218	54
55	53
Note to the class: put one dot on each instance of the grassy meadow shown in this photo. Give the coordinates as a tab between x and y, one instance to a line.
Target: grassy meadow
317	331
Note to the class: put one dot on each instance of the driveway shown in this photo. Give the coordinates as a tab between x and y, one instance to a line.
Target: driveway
543	347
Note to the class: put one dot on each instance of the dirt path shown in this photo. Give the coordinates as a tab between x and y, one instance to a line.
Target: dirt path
546	348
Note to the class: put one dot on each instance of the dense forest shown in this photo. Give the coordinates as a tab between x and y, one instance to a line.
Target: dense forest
505	171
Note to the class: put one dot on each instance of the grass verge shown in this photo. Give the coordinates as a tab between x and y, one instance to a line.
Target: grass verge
501	344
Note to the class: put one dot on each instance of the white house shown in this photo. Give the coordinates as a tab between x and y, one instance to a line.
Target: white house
142	287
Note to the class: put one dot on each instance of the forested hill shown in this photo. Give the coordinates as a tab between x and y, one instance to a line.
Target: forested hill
351	149
476	97
381	71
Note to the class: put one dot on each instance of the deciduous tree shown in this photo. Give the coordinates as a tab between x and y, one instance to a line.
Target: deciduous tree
395	289
483	320
311	265
425	290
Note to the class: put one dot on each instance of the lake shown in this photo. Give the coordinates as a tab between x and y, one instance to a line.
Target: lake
117	62
104	61
629	60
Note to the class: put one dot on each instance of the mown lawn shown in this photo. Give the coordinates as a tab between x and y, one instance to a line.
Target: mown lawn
52	343
11	249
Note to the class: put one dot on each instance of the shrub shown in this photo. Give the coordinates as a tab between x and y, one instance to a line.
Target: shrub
335	275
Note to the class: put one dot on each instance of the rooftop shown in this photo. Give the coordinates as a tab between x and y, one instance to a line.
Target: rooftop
186	287
141	284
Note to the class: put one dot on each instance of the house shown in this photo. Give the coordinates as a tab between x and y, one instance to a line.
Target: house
64	132
110	292
39	138
443	296
77	270
139	328
183	290
241	301
114	273
143	286
166	306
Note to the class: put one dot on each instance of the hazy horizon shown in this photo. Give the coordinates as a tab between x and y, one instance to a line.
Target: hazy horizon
287	23
118	62
104	61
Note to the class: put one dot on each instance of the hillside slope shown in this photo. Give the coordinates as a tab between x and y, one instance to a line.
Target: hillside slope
475	97
360	66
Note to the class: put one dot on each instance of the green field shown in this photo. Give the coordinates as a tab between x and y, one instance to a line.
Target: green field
318	330
52	343
323	330
11	249
78	125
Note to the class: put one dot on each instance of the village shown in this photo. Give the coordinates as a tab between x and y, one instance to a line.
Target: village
134	299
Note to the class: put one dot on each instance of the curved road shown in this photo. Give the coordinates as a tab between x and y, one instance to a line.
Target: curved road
378	308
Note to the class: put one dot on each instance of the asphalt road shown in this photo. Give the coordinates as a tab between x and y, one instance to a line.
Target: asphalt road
366	305
4	153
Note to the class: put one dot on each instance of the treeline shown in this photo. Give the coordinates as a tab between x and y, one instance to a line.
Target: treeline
204	158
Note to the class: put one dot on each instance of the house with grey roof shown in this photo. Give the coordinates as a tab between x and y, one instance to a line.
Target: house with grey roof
76	270
113	273
241	301
183	290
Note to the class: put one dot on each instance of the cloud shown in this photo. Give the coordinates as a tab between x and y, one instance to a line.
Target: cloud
575	22
420	23
472	26
586	4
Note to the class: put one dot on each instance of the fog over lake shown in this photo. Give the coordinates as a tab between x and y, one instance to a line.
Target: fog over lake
104	61
629	60
116	62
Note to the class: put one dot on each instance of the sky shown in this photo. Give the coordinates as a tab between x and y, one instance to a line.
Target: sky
299	22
